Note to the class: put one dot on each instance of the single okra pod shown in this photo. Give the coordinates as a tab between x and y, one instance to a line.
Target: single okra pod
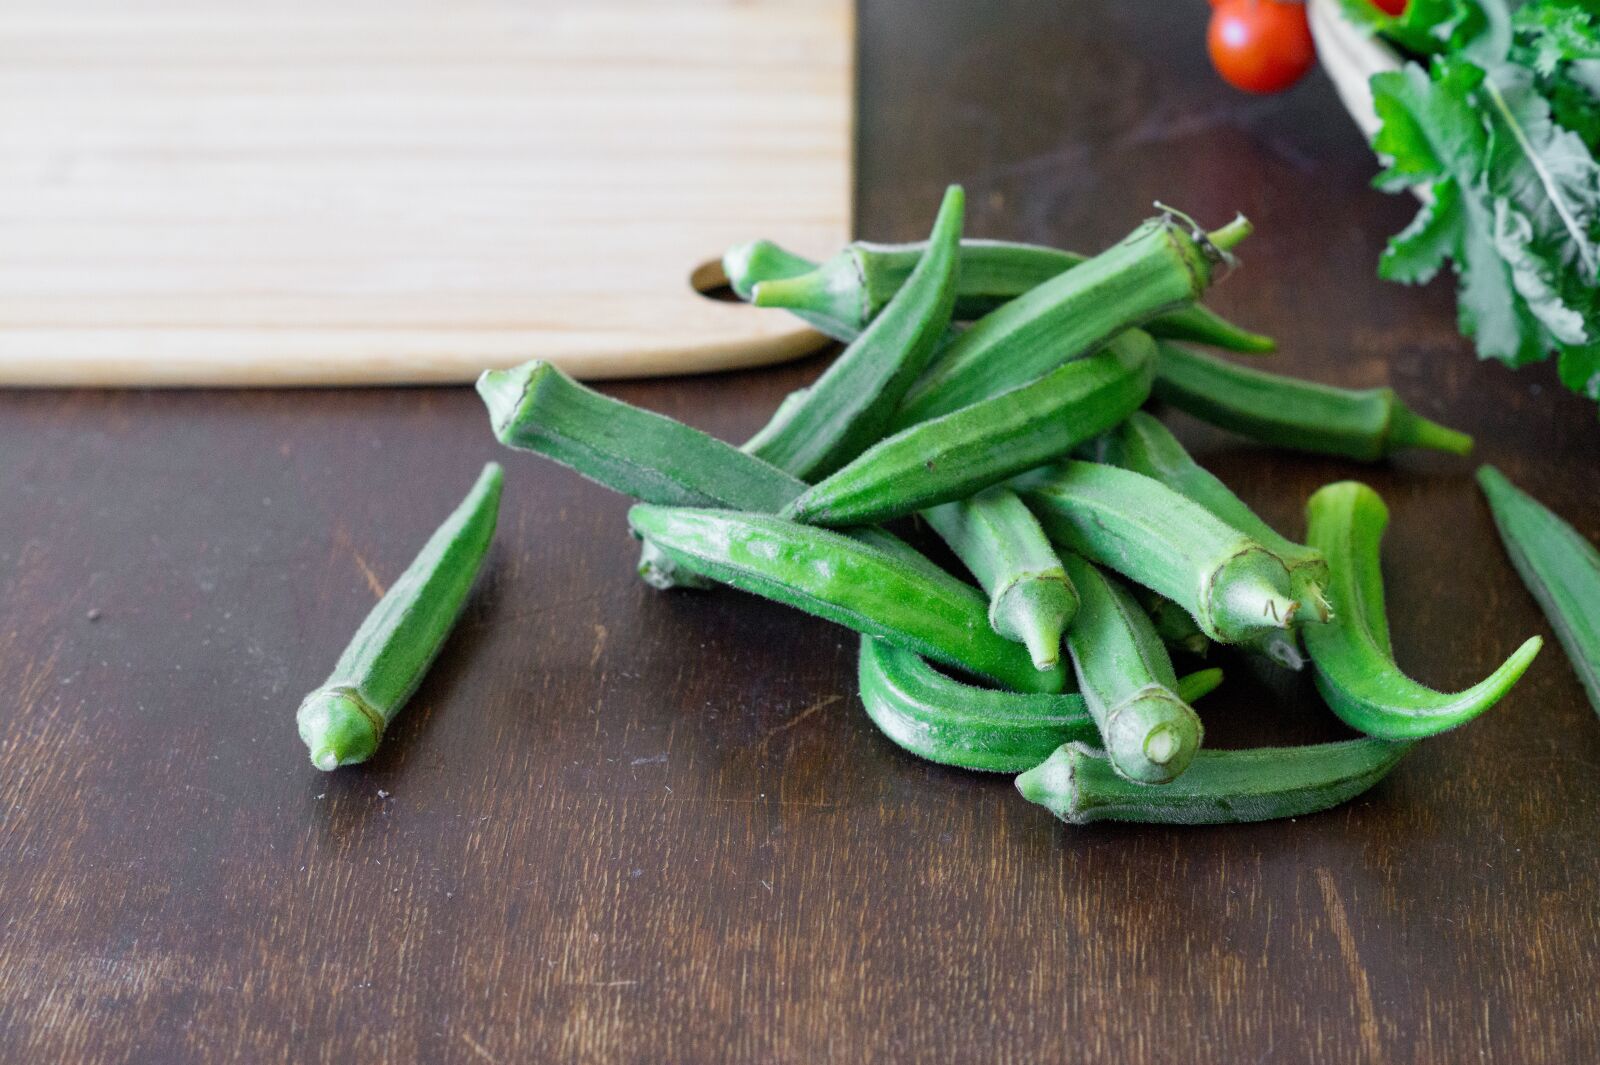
1364	424
536	407
1079	785
1235	589
944	720
850	405
858	585
1159	267
1355	671
1126	678
963	452
850	289
1142	444
342	721
998	538
1560	568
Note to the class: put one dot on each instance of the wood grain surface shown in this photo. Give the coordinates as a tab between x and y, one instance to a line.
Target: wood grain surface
624	826
380	191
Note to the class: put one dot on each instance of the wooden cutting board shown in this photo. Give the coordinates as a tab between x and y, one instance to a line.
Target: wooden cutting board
350	191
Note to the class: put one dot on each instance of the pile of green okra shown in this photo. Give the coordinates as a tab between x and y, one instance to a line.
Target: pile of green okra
993	392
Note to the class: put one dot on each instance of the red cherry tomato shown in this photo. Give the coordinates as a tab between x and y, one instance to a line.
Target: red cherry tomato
1390	7
1260	46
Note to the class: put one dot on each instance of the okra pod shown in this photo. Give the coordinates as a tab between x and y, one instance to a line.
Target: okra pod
1127	681
1159	267
1235	589
342	721
1364	424
963	452
1142	444
850	289
999	540
1355	671
849	406
1079	785
944	720
536	407
858	585
1173	623
1560	568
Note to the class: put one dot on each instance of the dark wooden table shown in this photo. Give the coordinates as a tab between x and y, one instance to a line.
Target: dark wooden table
624	826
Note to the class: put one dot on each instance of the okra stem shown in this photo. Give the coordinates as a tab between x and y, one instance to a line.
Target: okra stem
1560	568
1127	681
1355	672
342	721
1031	600
1080	785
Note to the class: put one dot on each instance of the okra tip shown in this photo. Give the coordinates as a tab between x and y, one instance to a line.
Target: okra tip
746	265
338	727
1407	428
1049	784
503	391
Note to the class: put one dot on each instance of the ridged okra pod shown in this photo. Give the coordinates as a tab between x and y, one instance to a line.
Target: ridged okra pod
944	720
1079	785
1150	733
1000	541
1560	568
1142	444
858	585
848	290
1355	671
536	407
747	265
1235	589
342	721
825	426
1160	266
1364	424
970	449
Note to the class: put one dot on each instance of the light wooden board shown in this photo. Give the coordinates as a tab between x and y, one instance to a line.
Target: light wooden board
349	191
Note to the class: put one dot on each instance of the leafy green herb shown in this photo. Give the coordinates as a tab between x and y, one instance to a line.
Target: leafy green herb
1498	132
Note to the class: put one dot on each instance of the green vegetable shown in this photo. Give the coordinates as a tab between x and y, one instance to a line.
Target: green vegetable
1150	733
857	585
747	265
998	538
939	718
963	452
1157	268
1355	671
852	287
850	405
1498	133
1173	623
1364	424
342	721
1142	444
536	407
1234	588
1560	568
1079	784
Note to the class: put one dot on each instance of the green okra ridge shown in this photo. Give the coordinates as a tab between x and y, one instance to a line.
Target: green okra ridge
1407	428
